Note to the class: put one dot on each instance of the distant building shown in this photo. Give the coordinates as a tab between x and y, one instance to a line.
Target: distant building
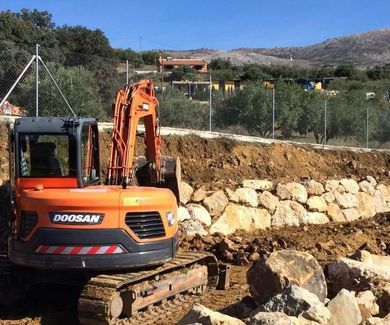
169	64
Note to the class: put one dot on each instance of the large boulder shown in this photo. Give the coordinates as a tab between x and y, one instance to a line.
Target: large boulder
344	309
350	185
384	191
297	301
315	218
314	188
199	314
367	304
193	227
185	192
331	185
366	205
316	204
216	203
199	213
258	184
288	213
335	214
268	201
269	276
247	196
367	187
231	195
240	217
199	195
355	275
183	214
351	214
346	200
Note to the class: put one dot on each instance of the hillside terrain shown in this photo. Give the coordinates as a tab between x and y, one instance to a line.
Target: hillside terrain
365	49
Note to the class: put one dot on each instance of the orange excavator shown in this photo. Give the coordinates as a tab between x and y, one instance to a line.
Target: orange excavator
122	236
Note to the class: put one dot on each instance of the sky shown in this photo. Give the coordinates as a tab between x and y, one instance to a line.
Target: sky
215	24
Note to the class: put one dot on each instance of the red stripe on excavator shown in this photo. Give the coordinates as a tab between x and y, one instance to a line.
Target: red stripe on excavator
80	250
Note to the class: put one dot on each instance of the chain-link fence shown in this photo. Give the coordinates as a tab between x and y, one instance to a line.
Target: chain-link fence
359	117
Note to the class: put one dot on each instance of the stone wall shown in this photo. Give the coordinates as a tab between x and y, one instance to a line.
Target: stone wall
261	204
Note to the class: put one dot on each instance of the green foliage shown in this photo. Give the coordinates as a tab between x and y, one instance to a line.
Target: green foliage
183	73
149	57
78	86
177	111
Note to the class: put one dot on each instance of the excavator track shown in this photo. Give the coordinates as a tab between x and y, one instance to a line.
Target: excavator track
121	298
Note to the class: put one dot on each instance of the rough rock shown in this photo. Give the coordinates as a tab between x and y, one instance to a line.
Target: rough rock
328	197
271	318
240	217
199	195
193	228
268	277
199	213
297	191
282	192
380	202
247	196
183	214
231	195
367	304
346	200
288	213
205	316
316	204
268	201
258	184
331	185
367	187
316	218
296	301
185	192
216	203
314	188
378	321
355	275
350	185
381	261
366	205
335	213
384	191
351	214
344	309
371	180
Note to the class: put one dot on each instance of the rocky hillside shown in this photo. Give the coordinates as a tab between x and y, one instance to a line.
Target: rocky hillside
365	49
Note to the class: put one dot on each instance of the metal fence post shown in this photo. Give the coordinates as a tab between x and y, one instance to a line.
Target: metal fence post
210	100
127	72
325	117
37	80
367	114
273	113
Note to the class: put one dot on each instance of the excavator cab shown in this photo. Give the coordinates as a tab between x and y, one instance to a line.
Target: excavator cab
56	149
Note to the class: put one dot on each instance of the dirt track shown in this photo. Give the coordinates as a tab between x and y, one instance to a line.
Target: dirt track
225	163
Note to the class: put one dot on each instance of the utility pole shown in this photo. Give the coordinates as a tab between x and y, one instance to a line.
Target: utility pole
36	80
127	72
210	95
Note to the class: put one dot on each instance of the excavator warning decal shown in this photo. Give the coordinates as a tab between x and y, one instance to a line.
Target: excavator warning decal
80	250
130	201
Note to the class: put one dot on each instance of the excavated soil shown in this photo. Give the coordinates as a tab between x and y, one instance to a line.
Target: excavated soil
219	163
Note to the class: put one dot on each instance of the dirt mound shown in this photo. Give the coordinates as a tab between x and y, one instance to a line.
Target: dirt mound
225	162
221	162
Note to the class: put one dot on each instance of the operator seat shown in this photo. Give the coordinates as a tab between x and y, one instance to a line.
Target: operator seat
44	160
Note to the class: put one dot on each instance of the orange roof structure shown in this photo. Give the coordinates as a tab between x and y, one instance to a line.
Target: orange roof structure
8	109
170	63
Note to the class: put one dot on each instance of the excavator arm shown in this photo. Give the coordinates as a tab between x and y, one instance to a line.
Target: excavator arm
135	103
